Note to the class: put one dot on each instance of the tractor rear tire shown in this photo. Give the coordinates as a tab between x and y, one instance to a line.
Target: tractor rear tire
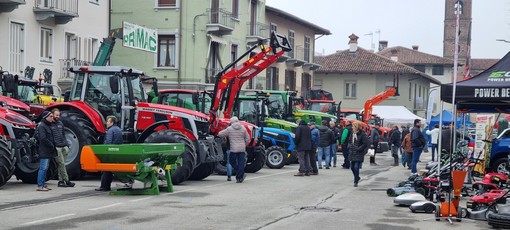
78	132
189	156
276	157
7	162
256	162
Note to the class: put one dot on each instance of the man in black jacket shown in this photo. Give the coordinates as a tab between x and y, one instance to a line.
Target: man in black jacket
395	143
375	135
447	140
417	142
46	148
326	137
57	127
303	141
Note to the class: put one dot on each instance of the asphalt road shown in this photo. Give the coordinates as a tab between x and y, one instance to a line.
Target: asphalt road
268	199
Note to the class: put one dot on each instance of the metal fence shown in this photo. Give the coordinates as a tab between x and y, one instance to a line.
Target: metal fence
220	16
65	64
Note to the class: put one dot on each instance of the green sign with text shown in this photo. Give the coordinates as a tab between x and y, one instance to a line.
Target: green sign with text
139	37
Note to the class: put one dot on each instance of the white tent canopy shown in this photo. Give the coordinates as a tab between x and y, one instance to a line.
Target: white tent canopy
395	115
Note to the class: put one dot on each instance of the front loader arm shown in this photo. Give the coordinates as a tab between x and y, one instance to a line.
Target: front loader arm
393	91
229	83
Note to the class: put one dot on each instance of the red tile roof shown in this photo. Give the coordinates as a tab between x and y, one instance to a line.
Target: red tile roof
363	61
410	56
482	63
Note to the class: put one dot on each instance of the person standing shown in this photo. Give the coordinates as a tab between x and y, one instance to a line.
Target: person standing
57	127
359	147
374	138
447	138
346	138
303	141
334	144
325	139
434	136
113	136
238	138
408	151
313	153
395	144
47	150
417	142
405	131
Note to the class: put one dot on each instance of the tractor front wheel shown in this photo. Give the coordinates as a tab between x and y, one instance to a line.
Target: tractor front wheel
189	156
276	157
7	160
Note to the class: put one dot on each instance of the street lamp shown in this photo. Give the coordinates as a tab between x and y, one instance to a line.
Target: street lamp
502	40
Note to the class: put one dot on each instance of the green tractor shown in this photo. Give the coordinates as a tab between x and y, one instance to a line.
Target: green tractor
286	105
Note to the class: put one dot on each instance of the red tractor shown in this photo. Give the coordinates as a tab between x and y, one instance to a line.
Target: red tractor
227	86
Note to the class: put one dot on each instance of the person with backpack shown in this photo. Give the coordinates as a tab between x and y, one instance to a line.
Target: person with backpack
359	145
346	137
374	138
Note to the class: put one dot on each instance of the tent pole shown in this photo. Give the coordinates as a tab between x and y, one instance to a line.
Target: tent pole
439	139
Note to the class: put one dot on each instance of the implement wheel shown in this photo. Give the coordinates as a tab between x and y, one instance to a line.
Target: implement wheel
189	156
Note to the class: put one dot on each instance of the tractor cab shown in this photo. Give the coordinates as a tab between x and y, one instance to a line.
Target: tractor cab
113	90
184	98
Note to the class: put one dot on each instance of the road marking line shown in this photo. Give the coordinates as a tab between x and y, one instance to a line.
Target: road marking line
141	199
48	219
107	206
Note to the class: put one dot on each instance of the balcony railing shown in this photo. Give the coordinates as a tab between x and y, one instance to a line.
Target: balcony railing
296	56
10	5
256	31
219	21
62	10
65	64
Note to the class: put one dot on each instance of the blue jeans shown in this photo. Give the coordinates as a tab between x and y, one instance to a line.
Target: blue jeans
394	153
416	156
334	148
324	151
434	149
41	175
404	160
237	160
355	166
228	166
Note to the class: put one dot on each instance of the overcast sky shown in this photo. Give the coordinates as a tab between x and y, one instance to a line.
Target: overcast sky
402	23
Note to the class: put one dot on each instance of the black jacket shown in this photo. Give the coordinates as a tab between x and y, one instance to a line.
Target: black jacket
446	140
359	147
326	136
57	128
303	138
45	139
336	134
417	138
375	135
395	138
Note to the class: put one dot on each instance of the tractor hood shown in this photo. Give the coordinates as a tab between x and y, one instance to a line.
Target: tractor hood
168	109
300	113
14	104
16	119
280	122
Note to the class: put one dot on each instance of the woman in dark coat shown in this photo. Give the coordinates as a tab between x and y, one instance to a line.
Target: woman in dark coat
359	147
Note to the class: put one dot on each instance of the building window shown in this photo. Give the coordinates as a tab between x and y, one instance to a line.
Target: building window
16	47
274	28
437	70
233	52
350	89
306	84
272	78
291	43
166	50
410	90
71	47
46	52
167	3
420	68
235	8
91	45
307	49
290	80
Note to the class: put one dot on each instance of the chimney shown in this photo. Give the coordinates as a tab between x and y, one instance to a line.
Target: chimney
353	43
383	45
394	56
415	47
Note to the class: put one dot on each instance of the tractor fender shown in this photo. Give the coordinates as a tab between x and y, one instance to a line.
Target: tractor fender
167	124
93	115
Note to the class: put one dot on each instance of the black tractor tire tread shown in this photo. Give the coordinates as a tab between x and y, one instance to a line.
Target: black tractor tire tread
89	136
203	171
259	158
283	154
189	156
7	163
498	220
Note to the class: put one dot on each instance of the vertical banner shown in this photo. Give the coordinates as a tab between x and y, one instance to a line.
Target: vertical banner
430	104
484	125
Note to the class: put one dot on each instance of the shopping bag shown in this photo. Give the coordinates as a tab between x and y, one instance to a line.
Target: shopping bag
371	152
